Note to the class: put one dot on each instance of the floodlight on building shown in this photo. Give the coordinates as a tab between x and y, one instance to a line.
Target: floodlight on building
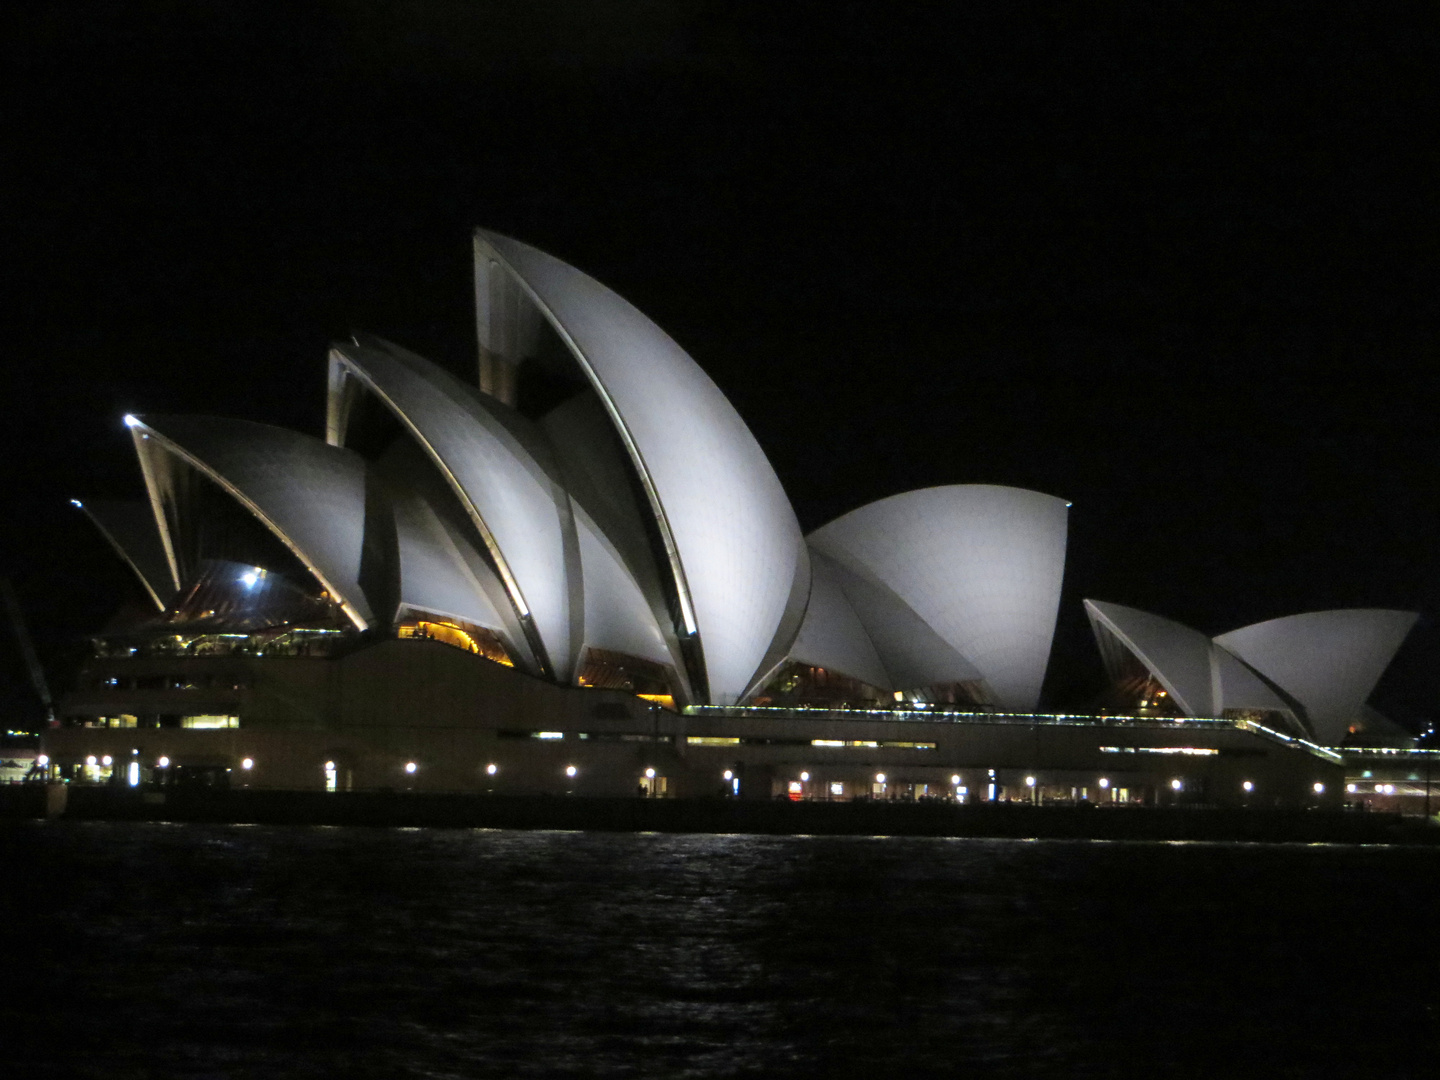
1248	785
491	769
410	767
106	760
1379	789
248	763
879	778
570	770
163	763
804	777
1029	781
1350	788
649	774
90	761
1319	788
42	760
1176	784
1104	783
329	766
955	779
729	775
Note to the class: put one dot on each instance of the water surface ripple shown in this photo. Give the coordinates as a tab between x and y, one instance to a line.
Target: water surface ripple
151	950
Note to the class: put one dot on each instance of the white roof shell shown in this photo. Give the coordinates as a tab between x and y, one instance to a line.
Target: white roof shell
494	465
309	494
1201	678
732	541
1329	661
981	565
1177	656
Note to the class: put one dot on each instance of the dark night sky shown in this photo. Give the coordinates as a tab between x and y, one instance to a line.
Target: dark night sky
1172	262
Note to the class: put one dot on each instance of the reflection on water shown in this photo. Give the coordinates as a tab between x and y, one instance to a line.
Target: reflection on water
200	951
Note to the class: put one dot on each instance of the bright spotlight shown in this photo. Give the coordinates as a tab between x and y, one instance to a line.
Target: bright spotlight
1350	788
1029	781
955	779
492	769
91	762
164	763
42	760
248	763
1104	783
804	777
106	760
131	421
77	504
729	775
570	770
1248	785
249	578
329	766
879	778
410	766
1176	784
1319	788
649	774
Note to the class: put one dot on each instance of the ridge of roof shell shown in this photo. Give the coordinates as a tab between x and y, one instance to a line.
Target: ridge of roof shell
730	534
129	528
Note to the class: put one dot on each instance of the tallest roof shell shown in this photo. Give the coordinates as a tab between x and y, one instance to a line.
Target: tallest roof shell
733	545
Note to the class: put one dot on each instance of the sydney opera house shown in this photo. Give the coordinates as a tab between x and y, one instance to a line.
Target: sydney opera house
578	572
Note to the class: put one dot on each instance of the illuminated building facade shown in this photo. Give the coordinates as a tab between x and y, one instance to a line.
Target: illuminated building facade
578	571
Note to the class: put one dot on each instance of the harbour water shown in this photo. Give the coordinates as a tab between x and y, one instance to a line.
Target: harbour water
158	950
